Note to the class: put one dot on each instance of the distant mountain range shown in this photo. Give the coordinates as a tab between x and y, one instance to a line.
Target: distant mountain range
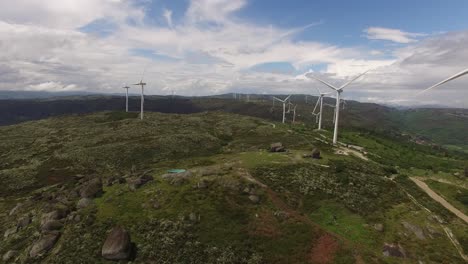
45	94
445	126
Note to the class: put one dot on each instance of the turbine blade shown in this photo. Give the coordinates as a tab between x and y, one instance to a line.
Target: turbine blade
352	80
324	82
144	71
316	104
320	92
460	74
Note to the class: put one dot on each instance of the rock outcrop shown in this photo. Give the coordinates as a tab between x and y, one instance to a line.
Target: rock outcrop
416	230
23	222
10	231
117	245
54	215
316	153
134	184
9	256
44	244
392	250
177	178
84	202
254	198
277	147
91	189
51	225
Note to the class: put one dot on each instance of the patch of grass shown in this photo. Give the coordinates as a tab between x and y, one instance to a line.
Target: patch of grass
117	116
456	196
437	247
423	198
259	158
337	219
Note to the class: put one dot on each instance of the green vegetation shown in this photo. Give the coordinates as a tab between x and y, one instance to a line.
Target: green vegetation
446	126
334	217
239	203
455	195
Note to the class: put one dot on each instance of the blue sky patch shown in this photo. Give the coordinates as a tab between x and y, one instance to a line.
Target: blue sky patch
101	27
150	54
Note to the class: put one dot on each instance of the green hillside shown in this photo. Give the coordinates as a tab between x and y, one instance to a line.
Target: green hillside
236	203
444	126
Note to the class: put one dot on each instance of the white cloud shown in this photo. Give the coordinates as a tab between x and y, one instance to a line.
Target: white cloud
213	10
212	52
168	16
52	86
376	52
390	34
65	14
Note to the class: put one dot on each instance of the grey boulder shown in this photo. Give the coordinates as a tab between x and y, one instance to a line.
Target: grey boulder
51	225
83	203
44	244
316	153
391	250
91	189
23	222
254	198
117	245
277	147
416	230
9	255
10	231
134	184
54	215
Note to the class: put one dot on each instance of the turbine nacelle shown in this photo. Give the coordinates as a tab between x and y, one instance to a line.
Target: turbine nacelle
283	101
337	89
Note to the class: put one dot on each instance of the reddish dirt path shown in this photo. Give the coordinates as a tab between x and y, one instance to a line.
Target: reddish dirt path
325	249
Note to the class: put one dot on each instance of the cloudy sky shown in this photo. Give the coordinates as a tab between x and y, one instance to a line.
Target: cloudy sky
200	47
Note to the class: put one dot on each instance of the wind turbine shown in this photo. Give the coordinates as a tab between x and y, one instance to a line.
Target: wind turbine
126	98
338	90
319	104
142	84
284	105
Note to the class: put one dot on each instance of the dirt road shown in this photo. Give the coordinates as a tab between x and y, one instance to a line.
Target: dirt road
439	199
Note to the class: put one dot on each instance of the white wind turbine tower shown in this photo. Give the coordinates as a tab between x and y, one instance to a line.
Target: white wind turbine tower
284	105
338	90
293	109
294	114
319	104
126	97
142	84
